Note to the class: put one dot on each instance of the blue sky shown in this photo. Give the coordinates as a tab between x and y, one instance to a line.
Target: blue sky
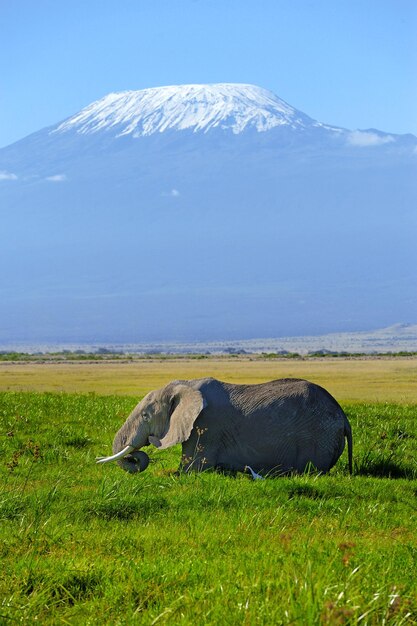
351	63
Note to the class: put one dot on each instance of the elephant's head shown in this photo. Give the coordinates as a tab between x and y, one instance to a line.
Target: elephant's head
163	418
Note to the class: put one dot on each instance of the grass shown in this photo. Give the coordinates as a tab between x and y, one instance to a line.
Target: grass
377	380
88	544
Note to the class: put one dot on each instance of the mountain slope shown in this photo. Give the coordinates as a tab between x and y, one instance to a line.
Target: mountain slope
198	212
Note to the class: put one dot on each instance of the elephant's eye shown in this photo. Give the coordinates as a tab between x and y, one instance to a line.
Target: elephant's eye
146	417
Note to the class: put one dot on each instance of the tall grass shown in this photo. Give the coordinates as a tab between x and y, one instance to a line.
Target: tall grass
86	544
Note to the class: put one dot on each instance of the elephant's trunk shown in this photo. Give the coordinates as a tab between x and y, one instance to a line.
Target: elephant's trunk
135	460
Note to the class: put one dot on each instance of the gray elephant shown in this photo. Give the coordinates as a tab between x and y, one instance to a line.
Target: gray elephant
275	428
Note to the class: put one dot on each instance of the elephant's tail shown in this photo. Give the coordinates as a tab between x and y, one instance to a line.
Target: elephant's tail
348	435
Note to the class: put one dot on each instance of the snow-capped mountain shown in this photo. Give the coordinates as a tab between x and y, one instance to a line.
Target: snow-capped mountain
198	212
226	106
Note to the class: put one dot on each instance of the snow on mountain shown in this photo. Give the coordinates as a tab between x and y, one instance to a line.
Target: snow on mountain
179	107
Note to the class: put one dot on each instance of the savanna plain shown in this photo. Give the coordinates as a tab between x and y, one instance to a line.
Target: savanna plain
89	544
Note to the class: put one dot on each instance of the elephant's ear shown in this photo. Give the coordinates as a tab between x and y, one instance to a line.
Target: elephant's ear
185	406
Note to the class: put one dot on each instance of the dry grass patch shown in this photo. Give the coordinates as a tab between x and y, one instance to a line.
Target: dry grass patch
373	380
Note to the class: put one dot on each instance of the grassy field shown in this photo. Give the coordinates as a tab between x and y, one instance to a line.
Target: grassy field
88	544
377	380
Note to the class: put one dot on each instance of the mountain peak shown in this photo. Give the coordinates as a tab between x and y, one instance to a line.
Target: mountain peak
226	106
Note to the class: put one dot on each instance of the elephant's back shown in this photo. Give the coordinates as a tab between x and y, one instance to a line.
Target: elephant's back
293	413
289	423
281	393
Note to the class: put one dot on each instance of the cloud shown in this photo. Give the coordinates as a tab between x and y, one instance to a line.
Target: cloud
57	178
363	138
7	175
174	193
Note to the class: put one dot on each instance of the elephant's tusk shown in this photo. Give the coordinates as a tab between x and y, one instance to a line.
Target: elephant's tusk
119	455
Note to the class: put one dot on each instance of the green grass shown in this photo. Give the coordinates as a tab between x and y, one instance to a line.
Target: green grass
88	544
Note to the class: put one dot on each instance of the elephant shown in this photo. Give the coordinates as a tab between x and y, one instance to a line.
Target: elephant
276	428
